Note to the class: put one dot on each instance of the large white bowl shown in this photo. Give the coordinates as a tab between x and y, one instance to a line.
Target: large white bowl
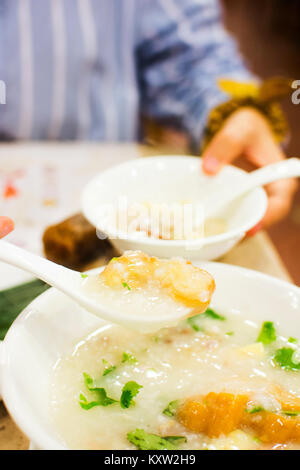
170	179
52	324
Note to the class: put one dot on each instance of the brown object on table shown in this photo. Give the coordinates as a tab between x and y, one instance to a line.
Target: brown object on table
11	438
74	242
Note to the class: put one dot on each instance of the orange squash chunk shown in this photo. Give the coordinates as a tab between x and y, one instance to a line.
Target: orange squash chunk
288	401
214	414
273	427
222	413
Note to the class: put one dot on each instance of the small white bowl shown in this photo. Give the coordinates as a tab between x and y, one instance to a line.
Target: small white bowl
171	179
53	324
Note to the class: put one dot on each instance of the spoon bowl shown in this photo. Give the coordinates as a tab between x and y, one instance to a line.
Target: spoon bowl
71	283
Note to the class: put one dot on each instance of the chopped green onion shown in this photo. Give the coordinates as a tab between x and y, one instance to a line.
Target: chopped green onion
267	333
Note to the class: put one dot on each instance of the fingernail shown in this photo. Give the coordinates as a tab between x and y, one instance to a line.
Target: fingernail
7	226
210	165
254	230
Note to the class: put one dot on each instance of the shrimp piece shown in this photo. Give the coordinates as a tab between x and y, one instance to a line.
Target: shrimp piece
133	267
178	278
186	283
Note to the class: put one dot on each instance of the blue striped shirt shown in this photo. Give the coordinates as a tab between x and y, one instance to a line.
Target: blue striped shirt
89	69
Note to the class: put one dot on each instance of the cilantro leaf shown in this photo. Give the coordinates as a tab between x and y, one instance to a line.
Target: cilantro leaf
257	440
124	284
108	368
292	340
146	441
170	410
267	333
284	358
193	322
254	409
175	439
127	357
83	276
89	382
101	398
209	313
214	315
129	391
290	413
85	404
155	339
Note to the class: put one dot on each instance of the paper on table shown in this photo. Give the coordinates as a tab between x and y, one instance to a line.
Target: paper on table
41	185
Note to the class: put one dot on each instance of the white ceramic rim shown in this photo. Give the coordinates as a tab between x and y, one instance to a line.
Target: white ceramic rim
261	210
41	440
31	430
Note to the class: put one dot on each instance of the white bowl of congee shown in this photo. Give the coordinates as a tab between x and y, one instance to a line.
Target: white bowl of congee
157	204
228	378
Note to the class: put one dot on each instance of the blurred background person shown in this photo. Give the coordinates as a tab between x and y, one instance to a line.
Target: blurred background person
115	70
268	35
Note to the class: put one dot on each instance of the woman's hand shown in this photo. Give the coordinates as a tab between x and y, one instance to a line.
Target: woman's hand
247	133
6	226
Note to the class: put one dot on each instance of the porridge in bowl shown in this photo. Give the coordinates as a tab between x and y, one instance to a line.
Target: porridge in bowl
183	220
215	381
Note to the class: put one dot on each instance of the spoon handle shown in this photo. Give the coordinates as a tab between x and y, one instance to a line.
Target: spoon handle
289	168
42	268
276	171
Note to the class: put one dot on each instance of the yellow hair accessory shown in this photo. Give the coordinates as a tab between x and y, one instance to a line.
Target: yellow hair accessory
262	96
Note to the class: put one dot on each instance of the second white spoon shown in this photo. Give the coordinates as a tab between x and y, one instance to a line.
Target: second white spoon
216	203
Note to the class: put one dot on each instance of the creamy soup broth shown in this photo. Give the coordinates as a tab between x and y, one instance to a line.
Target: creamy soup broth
194	358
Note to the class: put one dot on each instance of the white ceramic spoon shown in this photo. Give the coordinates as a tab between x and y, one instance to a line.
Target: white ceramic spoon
71	283
216	203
